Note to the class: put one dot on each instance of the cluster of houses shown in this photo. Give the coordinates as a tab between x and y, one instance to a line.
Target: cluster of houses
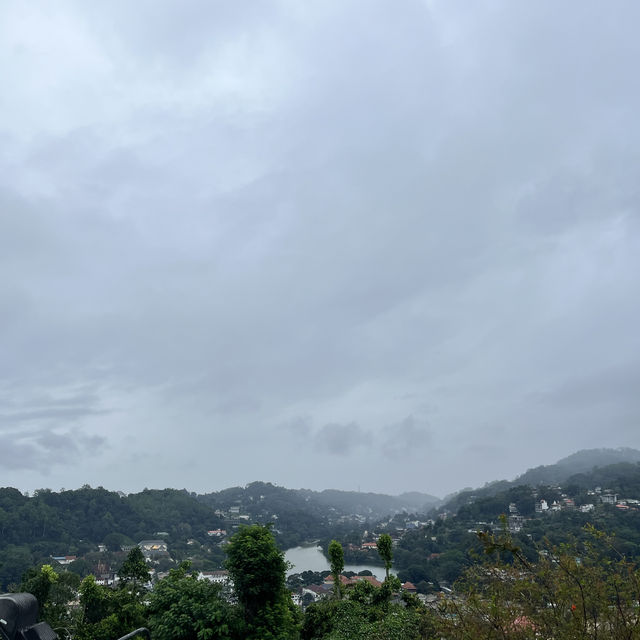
516	521
314	592
598	495
152	550
310	593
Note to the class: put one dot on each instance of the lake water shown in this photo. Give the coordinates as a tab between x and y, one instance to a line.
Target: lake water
312	559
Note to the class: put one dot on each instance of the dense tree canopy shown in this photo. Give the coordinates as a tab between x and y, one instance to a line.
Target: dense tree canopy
181	607
257	568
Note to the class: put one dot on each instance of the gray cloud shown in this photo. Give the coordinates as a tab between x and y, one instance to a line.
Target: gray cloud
341	439
42	451
228	217
406	439
45	408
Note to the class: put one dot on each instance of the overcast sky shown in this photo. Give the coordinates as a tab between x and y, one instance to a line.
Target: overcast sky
387	245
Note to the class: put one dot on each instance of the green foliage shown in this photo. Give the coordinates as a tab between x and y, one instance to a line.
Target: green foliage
53	591
182	607
336	561
365	615
115	541
75	522
385	549
39	582
257	568
107	613
319	619
58	610
299	520
571	592
583	590
14	562
134	568
297	580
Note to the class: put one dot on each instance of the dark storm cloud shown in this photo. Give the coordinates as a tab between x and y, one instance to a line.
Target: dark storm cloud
230	217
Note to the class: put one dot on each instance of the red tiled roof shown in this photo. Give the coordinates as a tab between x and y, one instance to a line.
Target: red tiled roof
370	579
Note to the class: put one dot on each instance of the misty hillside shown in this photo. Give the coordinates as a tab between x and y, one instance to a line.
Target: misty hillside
374	505
582	462
579	462
310	509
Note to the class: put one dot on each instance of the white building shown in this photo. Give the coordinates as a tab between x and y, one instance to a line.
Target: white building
220	576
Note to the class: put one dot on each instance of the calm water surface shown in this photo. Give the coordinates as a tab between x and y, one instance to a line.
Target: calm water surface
312	559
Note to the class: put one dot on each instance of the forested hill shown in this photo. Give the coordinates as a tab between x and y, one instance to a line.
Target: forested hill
67	521
76	521
263	497
581	462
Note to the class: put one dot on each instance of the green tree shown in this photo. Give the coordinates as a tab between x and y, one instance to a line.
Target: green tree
107	613
336	560
114	541
59	611
54	593
257	568
385	549
95	601
366	614
134	569
184	608
39	582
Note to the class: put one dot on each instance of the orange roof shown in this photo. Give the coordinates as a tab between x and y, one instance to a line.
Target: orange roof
370	579
343	579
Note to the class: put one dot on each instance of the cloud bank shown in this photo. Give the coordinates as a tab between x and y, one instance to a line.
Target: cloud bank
416	225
